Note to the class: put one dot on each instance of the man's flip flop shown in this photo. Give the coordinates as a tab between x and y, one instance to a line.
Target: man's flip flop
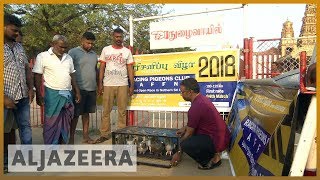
175	163
88	141
101	140
210	165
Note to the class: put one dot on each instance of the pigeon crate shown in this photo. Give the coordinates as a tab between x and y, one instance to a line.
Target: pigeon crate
155	146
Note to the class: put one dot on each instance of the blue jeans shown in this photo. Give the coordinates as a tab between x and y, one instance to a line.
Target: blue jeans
22	117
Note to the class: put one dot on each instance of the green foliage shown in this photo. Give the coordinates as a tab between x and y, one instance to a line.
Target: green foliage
43	21
8	9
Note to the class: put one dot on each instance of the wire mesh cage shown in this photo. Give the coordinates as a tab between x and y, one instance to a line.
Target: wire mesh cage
272	57
155	146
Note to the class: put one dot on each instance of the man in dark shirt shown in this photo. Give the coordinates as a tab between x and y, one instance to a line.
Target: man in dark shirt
206	134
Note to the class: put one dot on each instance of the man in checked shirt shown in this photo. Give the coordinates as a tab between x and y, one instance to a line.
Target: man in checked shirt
18	84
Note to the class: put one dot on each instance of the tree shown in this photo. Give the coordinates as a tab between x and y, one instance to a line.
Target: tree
43	21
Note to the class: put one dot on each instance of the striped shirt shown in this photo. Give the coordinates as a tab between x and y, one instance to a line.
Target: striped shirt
15	85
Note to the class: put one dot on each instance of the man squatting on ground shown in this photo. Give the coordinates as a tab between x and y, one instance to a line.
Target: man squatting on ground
206	134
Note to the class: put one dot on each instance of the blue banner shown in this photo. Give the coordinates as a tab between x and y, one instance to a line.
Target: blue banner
159	84
170	84
260	124
255	137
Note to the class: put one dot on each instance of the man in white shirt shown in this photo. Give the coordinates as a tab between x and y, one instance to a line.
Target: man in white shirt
59	79
116	67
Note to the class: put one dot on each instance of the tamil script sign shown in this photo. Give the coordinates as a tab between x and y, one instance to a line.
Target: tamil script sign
260	122
186	32
158	77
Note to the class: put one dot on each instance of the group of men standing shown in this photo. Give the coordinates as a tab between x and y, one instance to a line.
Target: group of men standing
72	82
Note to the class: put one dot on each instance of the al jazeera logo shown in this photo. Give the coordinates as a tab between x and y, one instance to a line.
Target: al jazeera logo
72	158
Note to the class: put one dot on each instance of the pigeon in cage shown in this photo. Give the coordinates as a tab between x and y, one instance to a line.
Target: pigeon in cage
131	140
148	142
157	146
138	139
169	146
142	147
120	139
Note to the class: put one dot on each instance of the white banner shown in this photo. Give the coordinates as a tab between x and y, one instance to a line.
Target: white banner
187	32
72	158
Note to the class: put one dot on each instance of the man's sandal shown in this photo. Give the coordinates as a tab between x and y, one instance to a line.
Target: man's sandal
101	139
88	141
175	163
210	165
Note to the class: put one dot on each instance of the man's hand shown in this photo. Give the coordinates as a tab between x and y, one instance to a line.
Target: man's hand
101	77
40	100
31	95
176	158
78	97
181	131
131	90
100	89
9	103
